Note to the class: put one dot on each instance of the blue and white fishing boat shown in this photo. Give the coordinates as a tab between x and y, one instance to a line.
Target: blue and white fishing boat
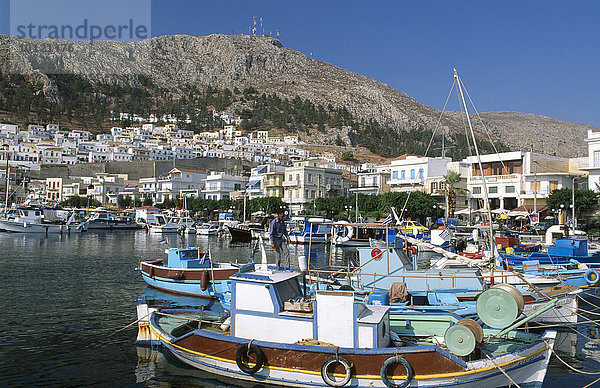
190	271
314	229
276	336
563	251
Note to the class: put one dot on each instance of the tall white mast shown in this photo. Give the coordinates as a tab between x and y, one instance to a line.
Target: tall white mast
485	189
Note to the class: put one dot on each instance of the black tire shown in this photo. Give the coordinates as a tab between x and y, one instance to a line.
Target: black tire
332	361
241	358
396	360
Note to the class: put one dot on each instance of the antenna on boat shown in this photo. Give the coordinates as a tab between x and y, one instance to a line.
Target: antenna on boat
485	188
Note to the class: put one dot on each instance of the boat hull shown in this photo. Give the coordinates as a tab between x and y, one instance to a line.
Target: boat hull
300	365
302	239
24	227
204	283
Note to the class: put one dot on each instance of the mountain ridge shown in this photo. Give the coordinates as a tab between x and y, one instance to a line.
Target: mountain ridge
238	61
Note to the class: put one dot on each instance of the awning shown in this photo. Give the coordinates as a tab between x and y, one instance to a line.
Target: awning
253	183
463	211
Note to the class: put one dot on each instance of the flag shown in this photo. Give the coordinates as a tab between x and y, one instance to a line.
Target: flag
388	219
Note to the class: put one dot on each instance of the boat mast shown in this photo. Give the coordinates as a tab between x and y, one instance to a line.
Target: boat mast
485	189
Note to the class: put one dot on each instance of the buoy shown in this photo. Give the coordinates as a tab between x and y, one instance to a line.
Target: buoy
500	305
204	280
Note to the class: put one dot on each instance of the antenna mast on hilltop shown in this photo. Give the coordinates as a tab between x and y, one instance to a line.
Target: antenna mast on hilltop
278	33
262	30
254	28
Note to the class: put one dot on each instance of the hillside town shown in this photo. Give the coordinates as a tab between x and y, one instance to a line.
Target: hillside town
518	182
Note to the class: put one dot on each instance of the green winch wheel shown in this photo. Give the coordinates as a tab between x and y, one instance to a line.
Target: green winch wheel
500	305
460	339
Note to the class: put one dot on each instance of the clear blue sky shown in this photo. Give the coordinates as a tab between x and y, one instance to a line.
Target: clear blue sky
538	57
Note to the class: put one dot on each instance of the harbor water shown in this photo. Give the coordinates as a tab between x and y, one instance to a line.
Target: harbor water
66	299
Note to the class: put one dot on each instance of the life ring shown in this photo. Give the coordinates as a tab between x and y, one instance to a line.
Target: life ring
396	360
342	232
246	350
413	250
376	254
591	277
333	360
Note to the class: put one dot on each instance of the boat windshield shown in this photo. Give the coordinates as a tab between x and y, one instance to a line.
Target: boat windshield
288	289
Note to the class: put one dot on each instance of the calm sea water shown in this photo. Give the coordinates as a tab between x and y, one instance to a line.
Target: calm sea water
63	296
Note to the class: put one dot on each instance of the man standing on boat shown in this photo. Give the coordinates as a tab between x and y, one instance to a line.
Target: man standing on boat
278	235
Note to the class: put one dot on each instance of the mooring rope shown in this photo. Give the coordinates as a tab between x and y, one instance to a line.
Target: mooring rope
129	325
567	364
503	372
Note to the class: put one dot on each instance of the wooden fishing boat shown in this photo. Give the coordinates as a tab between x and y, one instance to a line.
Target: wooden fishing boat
274	336
309	230
189	271
239	233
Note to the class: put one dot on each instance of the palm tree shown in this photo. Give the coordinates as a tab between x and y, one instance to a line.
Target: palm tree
450	181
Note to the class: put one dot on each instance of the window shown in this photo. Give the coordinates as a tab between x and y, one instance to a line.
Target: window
509	189
433	187
395	175
412	174
535	186
420	173
403	175
493	189
553	185
596	158
477	190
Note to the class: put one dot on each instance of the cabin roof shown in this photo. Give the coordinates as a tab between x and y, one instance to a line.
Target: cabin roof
274	275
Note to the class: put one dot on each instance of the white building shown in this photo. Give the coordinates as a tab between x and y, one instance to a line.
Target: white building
519	178
221	185
410	173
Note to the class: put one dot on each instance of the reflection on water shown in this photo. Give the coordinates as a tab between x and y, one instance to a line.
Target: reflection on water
62	296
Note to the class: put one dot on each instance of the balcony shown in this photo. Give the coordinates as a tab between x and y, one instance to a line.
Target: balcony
495	178
291	183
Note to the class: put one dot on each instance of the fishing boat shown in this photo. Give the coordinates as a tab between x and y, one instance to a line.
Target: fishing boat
305	230
207	229
276	336
185	224
190	271
456	289
348	234
105	220
32	220
157	223
239	233
563	251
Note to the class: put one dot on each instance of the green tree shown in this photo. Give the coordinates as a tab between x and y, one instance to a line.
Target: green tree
586	201
124	201
450	181
347	155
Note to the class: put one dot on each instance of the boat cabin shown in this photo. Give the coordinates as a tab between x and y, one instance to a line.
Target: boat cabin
33	216
267	305
381	267
187	258
570	247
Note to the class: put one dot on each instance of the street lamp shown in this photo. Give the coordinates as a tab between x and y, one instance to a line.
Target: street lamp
6	147
348	210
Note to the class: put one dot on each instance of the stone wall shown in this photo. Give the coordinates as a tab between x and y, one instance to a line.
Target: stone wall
145	169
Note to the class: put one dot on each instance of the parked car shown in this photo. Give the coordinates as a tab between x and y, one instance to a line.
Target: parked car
541	227
408	227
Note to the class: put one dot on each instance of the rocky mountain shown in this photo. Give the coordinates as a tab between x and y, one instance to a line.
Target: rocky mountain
264	63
